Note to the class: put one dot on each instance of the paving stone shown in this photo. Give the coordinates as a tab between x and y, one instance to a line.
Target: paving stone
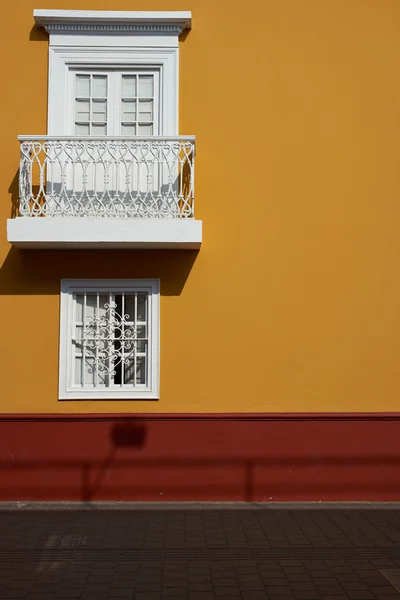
120	593
198	550
278	590
366	595
298	577
303	586
250	585
271	581
223	582
330	590
254	595
382	591
68	593
174	591
308	595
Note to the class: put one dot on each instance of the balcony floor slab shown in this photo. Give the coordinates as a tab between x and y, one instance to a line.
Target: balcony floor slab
65	232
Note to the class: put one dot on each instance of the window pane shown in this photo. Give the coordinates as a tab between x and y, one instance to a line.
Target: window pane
146	86
141	331
99	111
103	299
145	130
99	129
129	117
91	305
129	371
78	339
130	306
141	346
128	86
146	110
89	370
81	129
78	370
141	307
128	129
129	111
79	307
141	370
82	110
83	86
99	86
102	378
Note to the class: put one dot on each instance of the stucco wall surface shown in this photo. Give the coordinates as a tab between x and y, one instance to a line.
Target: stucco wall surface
293	301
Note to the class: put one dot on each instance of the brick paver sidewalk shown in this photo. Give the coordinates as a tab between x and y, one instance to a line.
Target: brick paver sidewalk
199	551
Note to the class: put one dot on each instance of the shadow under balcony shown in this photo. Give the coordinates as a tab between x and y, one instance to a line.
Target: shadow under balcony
95	192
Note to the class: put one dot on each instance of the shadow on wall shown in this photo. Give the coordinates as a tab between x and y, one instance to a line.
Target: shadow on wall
40	271
38	34
14	193
193	458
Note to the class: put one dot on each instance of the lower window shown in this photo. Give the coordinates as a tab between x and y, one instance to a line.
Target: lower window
109	339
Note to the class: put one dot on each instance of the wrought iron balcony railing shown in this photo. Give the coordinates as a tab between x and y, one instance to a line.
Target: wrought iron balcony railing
107	177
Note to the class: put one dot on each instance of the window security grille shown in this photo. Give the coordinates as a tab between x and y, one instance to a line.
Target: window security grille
109	339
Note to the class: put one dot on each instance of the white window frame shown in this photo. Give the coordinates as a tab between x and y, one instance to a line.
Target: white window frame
69	287
112	39
114	97
63	63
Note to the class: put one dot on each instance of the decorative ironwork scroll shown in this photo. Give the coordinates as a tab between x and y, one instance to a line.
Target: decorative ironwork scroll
113	178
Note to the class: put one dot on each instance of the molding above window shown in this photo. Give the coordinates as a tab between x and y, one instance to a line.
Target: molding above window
116	22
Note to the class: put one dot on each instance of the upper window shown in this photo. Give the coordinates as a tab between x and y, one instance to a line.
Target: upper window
113	73
109	339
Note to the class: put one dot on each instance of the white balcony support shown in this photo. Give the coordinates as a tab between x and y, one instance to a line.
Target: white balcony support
99	233
103	192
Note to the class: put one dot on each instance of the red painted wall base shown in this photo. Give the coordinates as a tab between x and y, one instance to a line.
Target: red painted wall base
200	457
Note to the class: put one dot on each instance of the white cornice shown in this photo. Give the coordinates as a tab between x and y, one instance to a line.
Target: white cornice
102	21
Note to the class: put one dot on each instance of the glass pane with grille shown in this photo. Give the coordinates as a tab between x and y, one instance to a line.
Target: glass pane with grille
83	86
146	86
99	86
129	86
91	104
137	104
110	340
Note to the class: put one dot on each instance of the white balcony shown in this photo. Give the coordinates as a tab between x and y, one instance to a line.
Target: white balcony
106	193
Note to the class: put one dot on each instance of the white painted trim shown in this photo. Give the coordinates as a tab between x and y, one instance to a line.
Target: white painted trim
113	21
65	232
111	40
102	138
68	288
62	59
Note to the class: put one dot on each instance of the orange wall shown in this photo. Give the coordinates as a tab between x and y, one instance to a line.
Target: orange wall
293	302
